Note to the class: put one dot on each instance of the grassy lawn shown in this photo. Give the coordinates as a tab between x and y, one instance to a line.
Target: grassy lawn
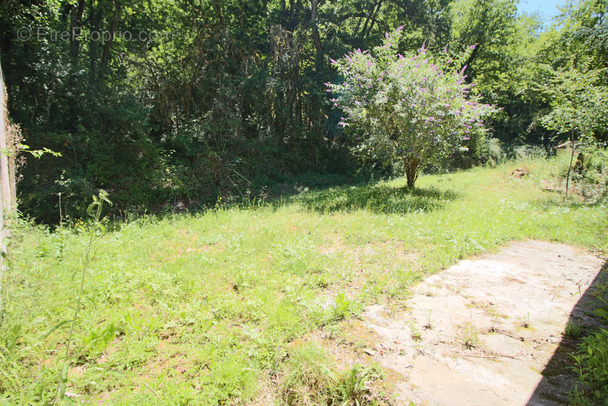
227	306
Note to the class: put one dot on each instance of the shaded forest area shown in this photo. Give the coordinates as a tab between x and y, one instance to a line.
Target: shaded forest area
181	102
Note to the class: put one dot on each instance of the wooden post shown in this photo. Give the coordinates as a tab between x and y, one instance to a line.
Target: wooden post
4	191
8	193
5	182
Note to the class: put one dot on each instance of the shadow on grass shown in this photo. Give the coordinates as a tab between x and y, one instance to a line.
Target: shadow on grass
560	376
569	204
377	198
311	181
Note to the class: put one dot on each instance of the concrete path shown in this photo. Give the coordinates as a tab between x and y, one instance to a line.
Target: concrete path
484	331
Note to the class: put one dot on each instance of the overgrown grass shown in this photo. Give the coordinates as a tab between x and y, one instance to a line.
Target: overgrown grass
209	308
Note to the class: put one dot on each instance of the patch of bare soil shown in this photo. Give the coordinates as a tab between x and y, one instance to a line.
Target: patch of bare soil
490	331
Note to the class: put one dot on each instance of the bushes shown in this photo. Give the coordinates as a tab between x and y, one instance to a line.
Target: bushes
309	379
592	172
528	152
592	367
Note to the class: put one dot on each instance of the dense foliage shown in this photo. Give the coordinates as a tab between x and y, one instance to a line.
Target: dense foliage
177	102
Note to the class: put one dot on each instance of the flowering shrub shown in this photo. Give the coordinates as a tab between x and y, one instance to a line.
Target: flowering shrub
415	108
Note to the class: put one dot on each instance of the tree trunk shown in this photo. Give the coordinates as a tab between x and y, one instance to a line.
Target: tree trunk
373	19
569	166
105	57
283	13
370	18
411	170
4	189
76	27
313	22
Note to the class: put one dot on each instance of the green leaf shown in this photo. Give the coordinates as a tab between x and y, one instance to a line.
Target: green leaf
64	381
55	327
